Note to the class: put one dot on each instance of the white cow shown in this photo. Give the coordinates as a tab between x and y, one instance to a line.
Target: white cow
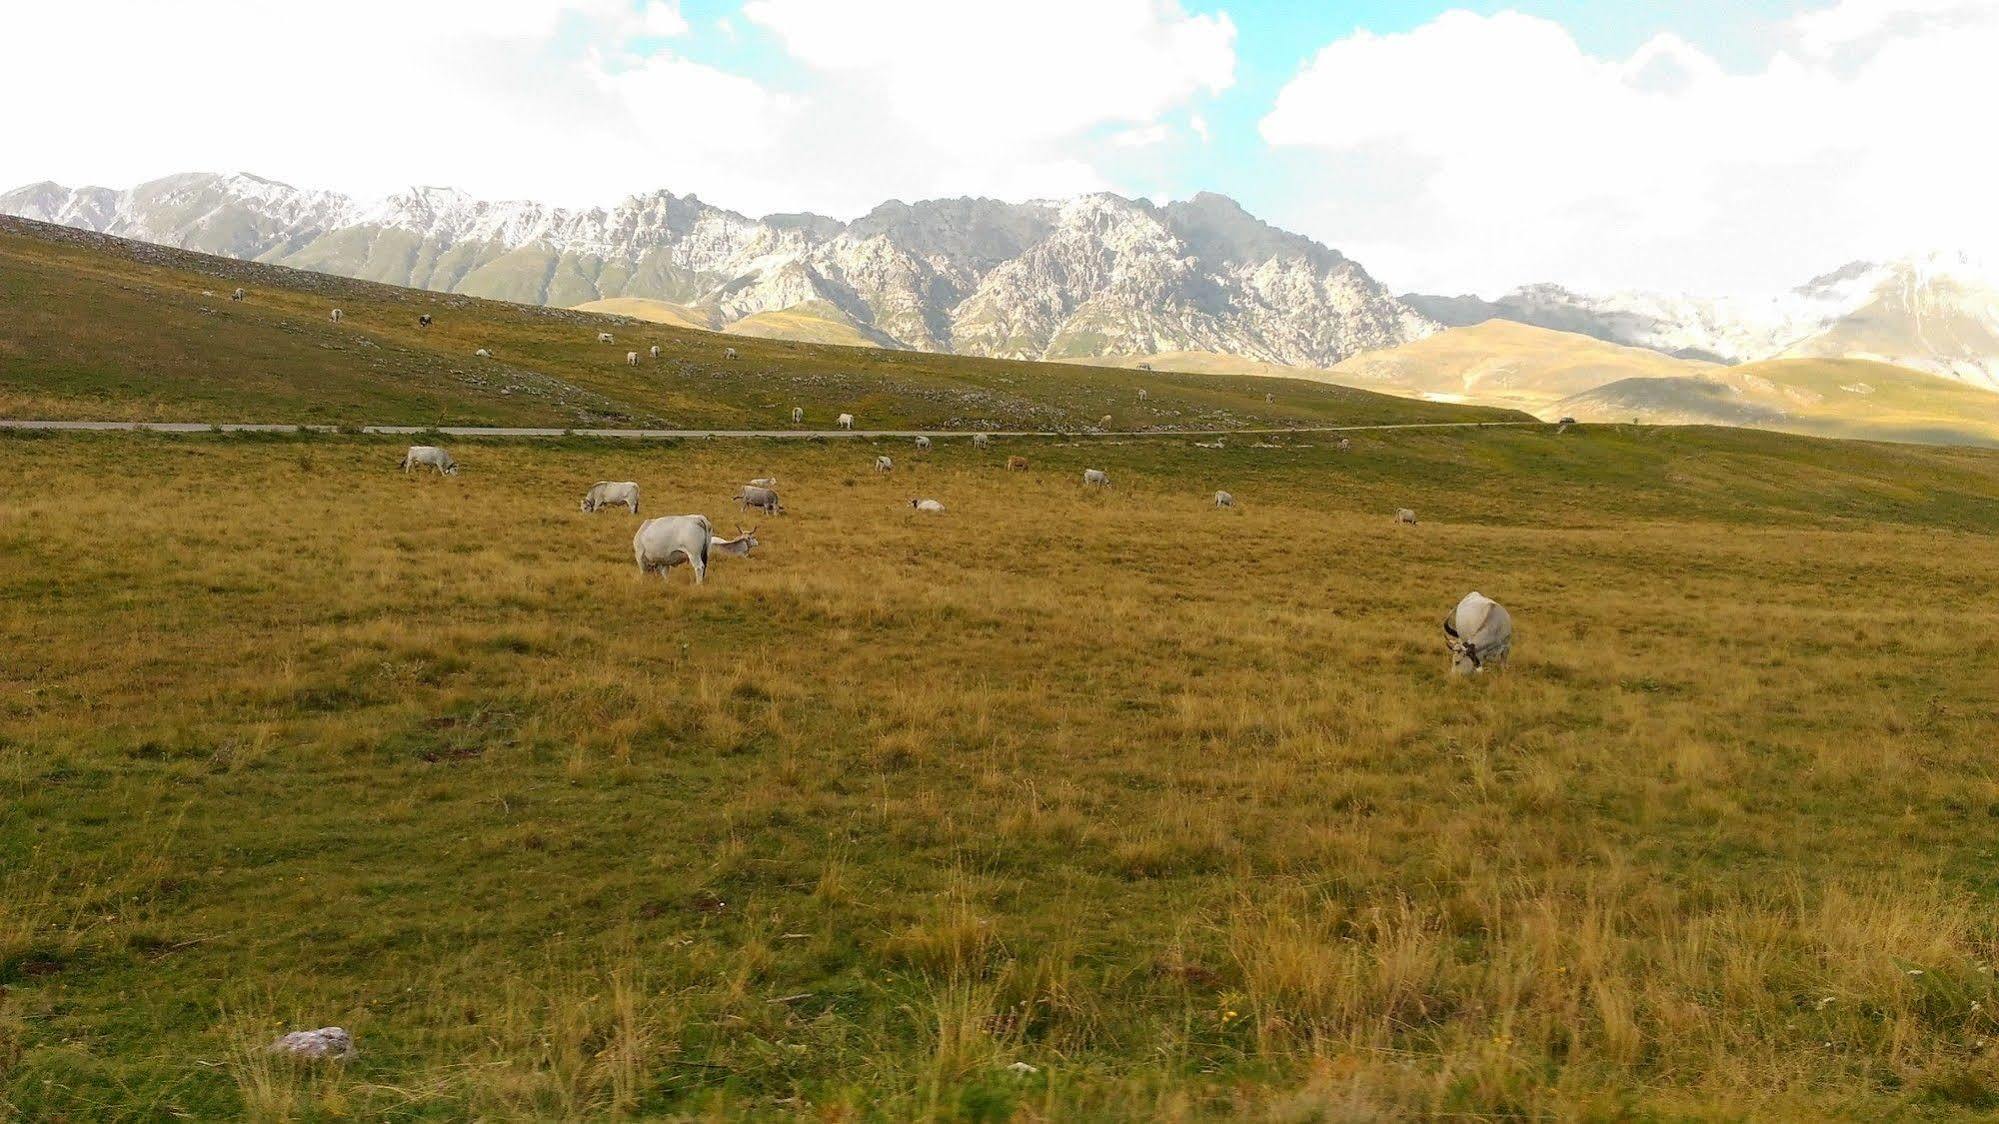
797	415
1096	477
883	464
1345	444
429	456
764	499
1224	499
655	351
923	443
611	493
237	295
764	482
738	547
1141	394
337	314
603	337
928	506
671	540
981	441
483	353
1404	515
1104	422
1479	633
631	358
728	353
844	421
1269	397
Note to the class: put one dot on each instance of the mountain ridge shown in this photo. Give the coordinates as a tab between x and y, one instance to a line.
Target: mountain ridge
1096	275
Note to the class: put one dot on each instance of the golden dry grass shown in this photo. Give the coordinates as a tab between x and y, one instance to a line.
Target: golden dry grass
1175	805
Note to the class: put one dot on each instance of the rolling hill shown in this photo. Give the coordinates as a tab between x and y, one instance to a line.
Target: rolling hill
1500	362
93	326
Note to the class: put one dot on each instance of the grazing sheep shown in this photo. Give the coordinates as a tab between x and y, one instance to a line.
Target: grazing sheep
883	464
1224	499
1016	464
931	507
1479	633
1096	478
336	315
1404	515
611	493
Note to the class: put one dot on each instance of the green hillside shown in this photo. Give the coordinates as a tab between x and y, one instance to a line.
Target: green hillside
96	327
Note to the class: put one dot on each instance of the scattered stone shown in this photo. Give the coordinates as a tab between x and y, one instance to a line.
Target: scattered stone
326	1042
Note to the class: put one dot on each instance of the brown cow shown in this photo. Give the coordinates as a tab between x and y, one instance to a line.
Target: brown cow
1016	464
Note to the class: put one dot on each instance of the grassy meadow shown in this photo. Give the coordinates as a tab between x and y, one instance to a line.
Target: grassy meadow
1176	806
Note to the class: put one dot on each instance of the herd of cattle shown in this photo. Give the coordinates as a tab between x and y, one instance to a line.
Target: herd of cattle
1478	632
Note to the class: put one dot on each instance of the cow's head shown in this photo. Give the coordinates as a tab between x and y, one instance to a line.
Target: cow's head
1464	654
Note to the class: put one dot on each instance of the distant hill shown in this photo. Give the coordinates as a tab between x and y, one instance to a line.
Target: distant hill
1500	362
1853	398
120	329
650	311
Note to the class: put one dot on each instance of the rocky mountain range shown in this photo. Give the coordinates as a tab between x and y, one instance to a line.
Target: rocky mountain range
1097	275
1937	313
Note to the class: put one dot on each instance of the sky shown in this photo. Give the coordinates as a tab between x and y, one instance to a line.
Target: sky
1711	146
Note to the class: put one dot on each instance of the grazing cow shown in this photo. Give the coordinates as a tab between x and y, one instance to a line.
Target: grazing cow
237	295
1269	398
1566	421
931	507
631	358
728	353
923	443
603	337
764	482
655	351
1096	478
611	493
981	441
797	415
1345	444
1141	394
671	540
337	314
738	547
423	321
429	456
1404	515
763	499
483	353
1224	499
1144	367
883	464
1104	422
1016	464
1479	633
844	421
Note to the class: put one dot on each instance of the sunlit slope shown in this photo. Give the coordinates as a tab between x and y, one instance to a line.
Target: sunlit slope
1825	397
810	322
650	311
99	327
1501	362
1212	363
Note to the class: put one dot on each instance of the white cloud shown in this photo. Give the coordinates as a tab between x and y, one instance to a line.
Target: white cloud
1141	136
575	102
1532	158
